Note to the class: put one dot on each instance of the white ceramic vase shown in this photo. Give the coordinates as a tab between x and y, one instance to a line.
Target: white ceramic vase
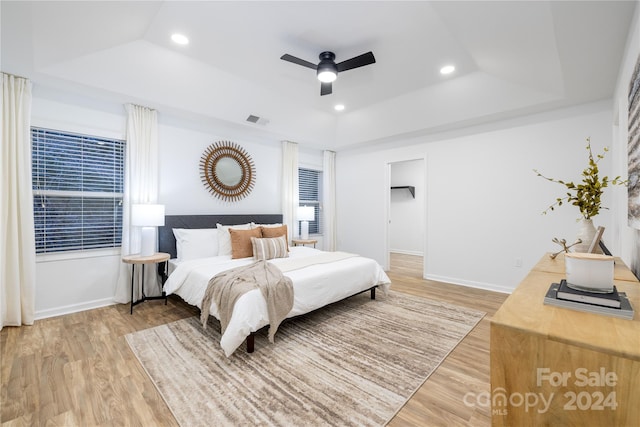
586	233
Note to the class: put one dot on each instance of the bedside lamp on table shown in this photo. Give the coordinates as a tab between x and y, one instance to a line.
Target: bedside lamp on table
305	214
148	217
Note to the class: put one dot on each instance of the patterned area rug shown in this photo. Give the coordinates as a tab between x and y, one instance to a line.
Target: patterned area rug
355	362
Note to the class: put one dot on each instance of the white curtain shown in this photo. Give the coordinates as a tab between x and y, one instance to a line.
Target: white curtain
140	186
290	191
329	200
17	241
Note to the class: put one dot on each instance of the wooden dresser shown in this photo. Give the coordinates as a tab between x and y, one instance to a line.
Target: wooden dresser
555	366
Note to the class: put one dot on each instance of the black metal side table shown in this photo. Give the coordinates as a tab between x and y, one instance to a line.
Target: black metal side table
158	257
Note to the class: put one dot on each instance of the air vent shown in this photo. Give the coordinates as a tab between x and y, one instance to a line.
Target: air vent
257	120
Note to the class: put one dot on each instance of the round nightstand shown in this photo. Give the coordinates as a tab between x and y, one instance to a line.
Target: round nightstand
303	242
136	259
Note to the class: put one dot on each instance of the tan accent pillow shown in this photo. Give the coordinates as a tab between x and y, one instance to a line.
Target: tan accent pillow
241	242
269	248
224	239
276	232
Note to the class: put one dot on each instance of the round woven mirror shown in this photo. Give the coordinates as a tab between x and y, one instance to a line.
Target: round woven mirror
227	171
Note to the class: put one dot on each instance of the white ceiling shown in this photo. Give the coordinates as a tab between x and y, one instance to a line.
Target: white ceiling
511	58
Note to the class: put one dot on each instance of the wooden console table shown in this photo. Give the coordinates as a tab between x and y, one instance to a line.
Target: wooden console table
555	366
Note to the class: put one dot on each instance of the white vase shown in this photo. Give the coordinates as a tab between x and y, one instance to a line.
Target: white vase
586	233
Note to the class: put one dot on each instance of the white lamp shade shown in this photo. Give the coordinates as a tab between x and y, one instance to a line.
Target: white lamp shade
147	215
306	213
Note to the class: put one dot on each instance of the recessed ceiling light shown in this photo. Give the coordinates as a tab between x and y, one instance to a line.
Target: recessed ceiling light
339	107
447	69
179	38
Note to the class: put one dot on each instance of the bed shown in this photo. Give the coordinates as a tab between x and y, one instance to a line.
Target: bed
319	278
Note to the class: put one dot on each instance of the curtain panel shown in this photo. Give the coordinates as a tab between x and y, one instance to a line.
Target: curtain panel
290	190
17	241
140	186
329	200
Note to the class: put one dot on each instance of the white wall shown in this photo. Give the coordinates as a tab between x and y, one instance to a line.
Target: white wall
406	212
484	202
72	282
181	189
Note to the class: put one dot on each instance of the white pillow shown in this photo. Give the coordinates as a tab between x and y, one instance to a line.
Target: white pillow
192	243
224	239
254	225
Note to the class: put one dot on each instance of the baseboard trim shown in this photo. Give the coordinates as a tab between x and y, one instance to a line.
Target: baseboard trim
470	283
73	308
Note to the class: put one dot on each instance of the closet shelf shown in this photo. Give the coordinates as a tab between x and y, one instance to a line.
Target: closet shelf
411	189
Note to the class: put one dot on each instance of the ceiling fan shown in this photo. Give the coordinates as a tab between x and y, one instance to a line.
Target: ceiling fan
327	70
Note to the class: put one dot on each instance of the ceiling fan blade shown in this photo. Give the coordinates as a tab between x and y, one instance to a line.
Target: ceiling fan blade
298	61
325	89
358	61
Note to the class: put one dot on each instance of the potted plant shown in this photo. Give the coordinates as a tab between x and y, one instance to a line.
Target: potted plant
586	195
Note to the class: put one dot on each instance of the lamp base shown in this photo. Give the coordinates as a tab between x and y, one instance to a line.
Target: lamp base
304	230
148	241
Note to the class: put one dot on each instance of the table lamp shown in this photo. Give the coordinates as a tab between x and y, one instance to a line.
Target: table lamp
305	214
148	217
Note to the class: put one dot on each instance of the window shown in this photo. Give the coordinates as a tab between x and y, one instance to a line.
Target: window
310	189
77	191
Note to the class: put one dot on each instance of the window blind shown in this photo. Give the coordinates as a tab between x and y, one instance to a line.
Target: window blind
310	194
77	190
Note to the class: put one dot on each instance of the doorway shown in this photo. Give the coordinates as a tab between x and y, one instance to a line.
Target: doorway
406	217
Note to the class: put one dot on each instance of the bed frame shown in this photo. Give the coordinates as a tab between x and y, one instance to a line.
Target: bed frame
167	241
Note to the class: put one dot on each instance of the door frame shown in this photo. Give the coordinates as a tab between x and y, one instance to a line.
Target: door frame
387	192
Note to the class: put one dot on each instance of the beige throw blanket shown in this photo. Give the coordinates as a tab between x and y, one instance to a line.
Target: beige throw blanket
225	288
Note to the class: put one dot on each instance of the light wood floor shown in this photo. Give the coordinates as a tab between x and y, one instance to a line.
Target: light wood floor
441	399
77	370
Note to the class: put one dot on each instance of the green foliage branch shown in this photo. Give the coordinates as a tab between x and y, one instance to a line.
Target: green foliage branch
586	195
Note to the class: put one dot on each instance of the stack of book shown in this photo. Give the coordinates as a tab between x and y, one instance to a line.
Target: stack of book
614	304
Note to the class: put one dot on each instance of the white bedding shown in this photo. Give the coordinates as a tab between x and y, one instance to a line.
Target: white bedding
314	286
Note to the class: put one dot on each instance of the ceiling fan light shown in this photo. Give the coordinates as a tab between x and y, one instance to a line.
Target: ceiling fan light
327	69
327	76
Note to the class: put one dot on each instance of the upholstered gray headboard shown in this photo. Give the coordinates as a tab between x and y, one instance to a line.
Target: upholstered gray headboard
167	241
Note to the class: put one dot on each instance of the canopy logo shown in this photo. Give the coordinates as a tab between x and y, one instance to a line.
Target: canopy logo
500	401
